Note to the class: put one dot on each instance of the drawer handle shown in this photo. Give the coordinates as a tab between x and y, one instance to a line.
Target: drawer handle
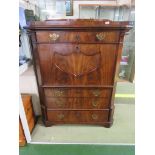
59	93
100	36
94	103
61	116
94	117
54	36
96	92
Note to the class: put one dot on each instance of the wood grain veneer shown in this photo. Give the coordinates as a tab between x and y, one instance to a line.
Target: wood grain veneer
76	64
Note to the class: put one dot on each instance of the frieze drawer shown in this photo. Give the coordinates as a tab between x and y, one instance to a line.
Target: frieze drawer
81	37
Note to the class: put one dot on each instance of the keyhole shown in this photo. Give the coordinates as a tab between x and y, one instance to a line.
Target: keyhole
77	49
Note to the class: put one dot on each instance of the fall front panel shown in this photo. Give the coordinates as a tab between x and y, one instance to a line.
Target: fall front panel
77	64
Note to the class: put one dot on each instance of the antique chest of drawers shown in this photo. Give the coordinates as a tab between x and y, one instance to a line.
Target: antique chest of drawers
76	64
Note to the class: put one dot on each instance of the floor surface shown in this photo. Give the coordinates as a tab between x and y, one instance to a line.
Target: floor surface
33	149
122	130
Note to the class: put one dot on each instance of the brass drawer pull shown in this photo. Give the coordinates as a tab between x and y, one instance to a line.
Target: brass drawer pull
94	103
94	117
53	36
100	36
96	92
59	93
61	116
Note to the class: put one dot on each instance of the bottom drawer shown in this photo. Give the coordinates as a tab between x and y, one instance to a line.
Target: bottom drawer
77	116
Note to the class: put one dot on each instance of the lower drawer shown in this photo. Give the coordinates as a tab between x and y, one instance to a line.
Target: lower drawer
78	116
78	92
77	103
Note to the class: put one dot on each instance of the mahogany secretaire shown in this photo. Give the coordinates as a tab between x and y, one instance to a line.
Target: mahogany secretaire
76	63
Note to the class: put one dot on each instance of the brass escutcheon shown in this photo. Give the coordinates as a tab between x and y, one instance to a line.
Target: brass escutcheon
94	116
100	36
53	36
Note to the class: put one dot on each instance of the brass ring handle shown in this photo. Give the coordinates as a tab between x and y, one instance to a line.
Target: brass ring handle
61	116
94	116
100	36
53	36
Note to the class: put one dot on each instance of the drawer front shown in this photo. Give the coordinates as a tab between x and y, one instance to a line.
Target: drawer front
77	103
77	116
81	37
78	92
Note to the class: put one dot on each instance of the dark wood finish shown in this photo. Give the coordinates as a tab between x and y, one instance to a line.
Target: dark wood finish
74	116
77	103
77	36
78	92
76	64
78	24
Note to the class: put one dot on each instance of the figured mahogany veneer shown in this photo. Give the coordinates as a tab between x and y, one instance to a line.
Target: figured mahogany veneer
71	116
77	92
76	64
77	103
